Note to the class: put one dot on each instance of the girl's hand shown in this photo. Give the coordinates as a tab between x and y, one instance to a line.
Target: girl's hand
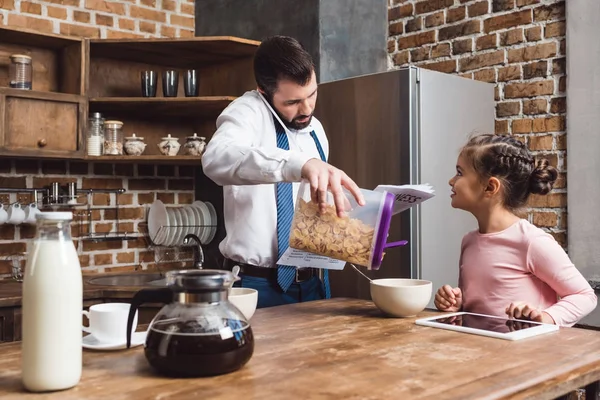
522	310
448	299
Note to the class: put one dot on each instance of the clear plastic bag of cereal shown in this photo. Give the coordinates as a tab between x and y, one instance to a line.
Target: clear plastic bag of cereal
359	237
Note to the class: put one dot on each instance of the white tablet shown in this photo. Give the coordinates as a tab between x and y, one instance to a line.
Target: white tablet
487	325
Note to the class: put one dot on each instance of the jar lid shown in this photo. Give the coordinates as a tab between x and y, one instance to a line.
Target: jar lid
97	115
133	137
169	137
195	137
113	122
23	57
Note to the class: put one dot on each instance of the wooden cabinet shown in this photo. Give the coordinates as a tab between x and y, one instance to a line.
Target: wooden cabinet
73	77
40	123
7	325
224	68
49	120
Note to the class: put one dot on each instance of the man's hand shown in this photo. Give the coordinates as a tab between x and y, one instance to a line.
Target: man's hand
323	176
448	299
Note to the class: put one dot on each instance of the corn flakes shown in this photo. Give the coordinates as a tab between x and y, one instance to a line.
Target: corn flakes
344	238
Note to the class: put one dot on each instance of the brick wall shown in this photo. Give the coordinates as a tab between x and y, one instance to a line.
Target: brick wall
517	44
144	183
102	18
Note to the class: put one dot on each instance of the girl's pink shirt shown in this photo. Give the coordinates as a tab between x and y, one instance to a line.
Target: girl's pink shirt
522	263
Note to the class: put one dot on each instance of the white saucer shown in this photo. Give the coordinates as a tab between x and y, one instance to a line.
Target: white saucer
90	342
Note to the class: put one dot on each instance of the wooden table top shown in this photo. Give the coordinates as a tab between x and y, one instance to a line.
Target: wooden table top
346	349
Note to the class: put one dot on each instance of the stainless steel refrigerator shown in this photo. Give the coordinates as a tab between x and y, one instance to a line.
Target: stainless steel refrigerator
399	127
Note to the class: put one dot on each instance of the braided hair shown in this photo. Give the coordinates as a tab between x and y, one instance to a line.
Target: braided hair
509	160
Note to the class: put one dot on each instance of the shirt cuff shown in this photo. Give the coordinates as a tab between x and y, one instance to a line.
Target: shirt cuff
551	311
292	172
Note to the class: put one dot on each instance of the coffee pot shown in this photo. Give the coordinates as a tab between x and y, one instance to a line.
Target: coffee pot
198	332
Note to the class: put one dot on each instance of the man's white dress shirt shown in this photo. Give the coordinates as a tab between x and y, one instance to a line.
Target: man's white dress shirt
243	157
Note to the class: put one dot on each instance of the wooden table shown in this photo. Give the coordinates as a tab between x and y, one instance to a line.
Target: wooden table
346	349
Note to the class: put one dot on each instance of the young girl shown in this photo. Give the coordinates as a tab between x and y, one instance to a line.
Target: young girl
509	266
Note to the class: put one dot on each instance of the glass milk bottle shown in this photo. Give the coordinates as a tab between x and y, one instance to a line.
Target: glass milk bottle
52	304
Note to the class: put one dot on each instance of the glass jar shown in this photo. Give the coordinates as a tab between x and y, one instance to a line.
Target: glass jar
95	135
19	72
113	138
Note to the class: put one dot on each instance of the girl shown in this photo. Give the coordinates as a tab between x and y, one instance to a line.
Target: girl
509	266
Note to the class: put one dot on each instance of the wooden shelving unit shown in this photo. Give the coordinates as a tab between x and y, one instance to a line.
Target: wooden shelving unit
48	120
206	107
153	159
74	77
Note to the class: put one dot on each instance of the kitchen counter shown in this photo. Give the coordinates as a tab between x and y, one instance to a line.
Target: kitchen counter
11	291
346	349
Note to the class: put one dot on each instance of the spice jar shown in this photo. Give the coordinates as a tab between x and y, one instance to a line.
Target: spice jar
194	145
19	72
134	145
113	138
95	135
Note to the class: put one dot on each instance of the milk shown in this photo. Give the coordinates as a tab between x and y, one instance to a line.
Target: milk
52	304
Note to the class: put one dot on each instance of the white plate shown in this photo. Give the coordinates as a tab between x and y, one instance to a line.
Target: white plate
172	229
188	219
157	217
213	221
206	221
91	343
197	221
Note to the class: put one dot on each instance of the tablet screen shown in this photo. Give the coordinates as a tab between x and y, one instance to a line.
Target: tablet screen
493	324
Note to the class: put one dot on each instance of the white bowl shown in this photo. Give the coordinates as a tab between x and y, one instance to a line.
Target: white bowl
401	297
245	299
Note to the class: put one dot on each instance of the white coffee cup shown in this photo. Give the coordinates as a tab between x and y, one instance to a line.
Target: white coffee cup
108	322
3	215
16	215
30	212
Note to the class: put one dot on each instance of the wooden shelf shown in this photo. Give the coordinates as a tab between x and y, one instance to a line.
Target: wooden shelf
197	107
42	95
31	38
176	53
148	159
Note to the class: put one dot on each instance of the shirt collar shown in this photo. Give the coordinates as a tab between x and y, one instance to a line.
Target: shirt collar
308	129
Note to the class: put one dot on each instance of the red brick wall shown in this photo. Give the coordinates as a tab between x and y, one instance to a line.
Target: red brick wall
143	184
517	44
102	18
171	184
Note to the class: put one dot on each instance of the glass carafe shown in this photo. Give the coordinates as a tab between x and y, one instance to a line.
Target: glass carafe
198	332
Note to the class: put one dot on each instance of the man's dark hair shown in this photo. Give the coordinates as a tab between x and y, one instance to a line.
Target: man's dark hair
281	57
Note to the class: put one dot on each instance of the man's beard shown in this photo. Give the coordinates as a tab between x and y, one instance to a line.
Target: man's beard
293	124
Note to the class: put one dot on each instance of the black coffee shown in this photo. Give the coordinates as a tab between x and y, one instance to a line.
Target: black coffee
185	354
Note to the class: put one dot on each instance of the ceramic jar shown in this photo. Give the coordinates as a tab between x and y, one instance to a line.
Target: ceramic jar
134	145
194	145
169	146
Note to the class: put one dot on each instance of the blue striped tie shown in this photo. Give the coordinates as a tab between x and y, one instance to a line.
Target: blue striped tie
285	213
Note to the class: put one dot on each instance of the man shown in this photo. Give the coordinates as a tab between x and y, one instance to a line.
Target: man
266	142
